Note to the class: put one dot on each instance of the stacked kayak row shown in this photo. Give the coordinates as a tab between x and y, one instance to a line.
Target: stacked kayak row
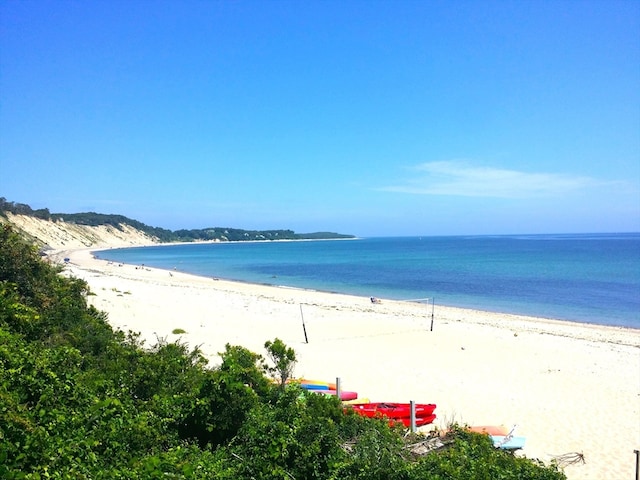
401	413
396	412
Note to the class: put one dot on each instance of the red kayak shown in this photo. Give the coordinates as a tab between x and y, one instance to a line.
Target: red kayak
393	410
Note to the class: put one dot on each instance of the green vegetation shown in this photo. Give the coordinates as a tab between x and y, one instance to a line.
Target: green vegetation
283	359
79	400
178	331
218	233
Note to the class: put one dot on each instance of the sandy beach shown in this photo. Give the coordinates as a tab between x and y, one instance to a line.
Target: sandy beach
569	388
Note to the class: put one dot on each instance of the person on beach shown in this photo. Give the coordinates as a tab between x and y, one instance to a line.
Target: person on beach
375	300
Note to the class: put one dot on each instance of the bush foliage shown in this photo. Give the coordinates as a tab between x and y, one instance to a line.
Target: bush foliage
80	400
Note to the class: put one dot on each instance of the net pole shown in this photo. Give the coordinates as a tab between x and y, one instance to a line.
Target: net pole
432	312
304	329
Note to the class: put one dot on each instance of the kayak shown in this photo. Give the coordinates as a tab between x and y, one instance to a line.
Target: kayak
393	410
357	401
498	430
506	443
313	384
344	394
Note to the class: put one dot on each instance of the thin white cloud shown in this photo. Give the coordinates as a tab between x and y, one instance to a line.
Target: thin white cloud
462	179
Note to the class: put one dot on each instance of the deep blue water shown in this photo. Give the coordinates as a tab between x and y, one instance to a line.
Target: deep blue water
585	278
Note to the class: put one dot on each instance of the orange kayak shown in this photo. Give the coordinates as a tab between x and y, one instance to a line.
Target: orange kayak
498	430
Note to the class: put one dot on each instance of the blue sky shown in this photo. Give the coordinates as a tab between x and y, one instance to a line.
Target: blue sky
367	117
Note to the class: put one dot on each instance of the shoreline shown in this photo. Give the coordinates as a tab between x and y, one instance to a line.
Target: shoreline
565	384
621	335
331	292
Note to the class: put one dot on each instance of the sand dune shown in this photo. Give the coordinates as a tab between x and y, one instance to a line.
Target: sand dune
64	235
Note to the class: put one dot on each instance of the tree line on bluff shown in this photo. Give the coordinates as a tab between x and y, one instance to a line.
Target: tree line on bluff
94	219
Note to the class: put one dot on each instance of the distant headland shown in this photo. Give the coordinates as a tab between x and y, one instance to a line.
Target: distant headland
90	228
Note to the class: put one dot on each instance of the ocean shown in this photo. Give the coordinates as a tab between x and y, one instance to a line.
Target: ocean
591	278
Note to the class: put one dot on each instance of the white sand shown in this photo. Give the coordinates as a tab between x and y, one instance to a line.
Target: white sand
569	387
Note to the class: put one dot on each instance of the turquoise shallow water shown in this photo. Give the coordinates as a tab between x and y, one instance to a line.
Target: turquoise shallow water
585	278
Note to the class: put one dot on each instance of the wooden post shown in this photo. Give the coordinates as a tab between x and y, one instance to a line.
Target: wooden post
432	309
304	329
412	407
338	389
